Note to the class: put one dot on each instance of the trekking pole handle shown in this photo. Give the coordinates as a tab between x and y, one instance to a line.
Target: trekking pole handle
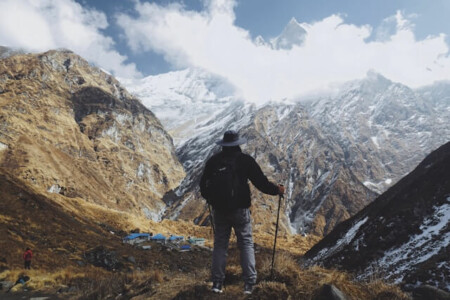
281	190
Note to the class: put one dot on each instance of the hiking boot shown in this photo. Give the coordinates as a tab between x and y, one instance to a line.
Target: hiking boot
217	287
248	288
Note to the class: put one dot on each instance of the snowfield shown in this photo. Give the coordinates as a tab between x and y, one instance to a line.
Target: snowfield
420	247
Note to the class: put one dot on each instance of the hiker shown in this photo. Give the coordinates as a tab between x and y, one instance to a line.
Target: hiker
27	258
224	184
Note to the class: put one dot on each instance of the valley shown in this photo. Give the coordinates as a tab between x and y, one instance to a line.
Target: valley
84	161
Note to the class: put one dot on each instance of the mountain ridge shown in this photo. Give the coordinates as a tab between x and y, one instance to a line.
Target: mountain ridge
373	130
72	139
403	234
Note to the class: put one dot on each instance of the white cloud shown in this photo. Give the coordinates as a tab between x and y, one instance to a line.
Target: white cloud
40	25
333	51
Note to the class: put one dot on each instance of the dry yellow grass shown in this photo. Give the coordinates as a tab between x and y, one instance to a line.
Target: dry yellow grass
184	275
302	283
290	281
45	280
128	221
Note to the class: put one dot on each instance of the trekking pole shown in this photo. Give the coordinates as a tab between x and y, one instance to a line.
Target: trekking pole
276	233
211	219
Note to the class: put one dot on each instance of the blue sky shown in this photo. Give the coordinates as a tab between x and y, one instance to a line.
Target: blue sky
268	18
405	40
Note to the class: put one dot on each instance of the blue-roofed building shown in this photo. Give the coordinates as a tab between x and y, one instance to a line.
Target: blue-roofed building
197	241
135	238
159	238
176	238
185	248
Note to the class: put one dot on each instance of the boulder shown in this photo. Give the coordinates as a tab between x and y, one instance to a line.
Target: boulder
424	292
329	292
387	295
6	285
104	258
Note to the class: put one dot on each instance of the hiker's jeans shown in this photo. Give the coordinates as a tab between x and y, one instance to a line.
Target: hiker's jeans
240	220
27	264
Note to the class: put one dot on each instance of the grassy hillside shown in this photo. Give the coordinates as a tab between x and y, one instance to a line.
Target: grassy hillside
65	234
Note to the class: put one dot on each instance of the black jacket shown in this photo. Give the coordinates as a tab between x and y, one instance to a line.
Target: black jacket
247	169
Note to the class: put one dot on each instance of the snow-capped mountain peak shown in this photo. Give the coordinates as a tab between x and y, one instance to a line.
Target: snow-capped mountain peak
372	132
182	99
292	35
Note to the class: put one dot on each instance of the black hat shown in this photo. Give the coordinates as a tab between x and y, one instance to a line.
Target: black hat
230	139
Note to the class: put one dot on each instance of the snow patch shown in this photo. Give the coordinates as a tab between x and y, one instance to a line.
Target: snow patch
345	240
152	215
122	118
283	112
112	132
179	208
375	141
3	146
140	170
420	247
379	187
303	218
56	189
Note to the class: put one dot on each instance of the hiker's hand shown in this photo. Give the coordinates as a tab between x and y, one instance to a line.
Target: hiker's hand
281	189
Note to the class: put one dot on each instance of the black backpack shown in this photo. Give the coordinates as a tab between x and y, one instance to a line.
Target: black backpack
223	184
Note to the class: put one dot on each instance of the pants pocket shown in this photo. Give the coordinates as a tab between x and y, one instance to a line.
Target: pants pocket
242	216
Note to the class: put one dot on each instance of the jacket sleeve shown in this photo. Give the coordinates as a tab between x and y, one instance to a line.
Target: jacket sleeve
259	180
204	179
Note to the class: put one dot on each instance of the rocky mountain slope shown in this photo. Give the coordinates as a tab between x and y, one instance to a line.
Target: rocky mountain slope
68	128
404	235
6	52
290	150
335	153
386	122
